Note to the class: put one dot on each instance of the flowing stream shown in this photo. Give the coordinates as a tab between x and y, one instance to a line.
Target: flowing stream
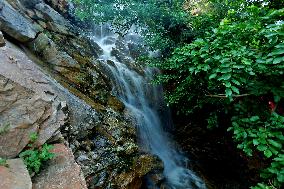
132	86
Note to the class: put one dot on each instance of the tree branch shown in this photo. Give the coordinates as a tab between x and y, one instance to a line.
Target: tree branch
224	96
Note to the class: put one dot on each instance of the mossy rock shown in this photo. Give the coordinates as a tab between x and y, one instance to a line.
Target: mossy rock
115	104
83	60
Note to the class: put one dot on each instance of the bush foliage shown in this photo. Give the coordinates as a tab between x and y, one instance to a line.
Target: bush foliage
237	68
34	158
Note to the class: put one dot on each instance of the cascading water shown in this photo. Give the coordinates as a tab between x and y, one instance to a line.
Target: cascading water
141	98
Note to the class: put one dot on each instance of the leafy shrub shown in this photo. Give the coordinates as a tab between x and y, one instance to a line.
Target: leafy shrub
34	158
265	136
237	69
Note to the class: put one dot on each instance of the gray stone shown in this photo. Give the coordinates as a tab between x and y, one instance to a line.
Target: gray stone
82	157
54	20
16	25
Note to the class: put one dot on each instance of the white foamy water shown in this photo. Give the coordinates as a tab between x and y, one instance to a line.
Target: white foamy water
141	98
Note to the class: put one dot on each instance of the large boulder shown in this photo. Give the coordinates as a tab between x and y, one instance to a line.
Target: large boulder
27	104
62	172
15	24
15	175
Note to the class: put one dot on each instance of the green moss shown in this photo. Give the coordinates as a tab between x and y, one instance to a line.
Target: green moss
4	128
3	162
82	60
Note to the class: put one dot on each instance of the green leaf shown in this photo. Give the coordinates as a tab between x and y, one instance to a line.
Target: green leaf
277	52
261	147
239	66
255	142
236	82
226	76
212	76
227	84
278	60
254	118
235	89
228	92
275	143
267	153
261	186
260	61
279	159
277	98
226	70
280	178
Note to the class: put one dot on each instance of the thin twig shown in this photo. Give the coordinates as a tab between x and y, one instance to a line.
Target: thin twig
224	96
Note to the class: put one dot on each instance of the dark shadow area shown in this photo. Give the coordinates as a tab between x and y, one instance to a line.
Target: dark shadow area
214	155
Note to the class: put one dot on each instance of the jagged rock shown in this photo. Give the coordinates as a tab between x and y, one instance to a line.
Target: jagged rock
2	40
62	172
58	61
16	25
31	3
133	179
50	53
15	175
62	6
26	103
68	60
54	20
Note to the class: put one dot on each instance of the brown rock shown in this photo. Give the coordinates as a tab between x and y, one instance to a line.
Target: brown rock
27	103
15	175
62	173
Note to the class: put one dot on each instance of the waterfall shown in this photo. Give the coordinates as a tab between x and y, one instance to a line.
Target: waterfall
132	85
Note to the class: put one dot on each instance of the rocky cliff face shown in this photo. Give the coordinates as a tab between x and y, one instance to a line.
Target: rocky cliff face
51	85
